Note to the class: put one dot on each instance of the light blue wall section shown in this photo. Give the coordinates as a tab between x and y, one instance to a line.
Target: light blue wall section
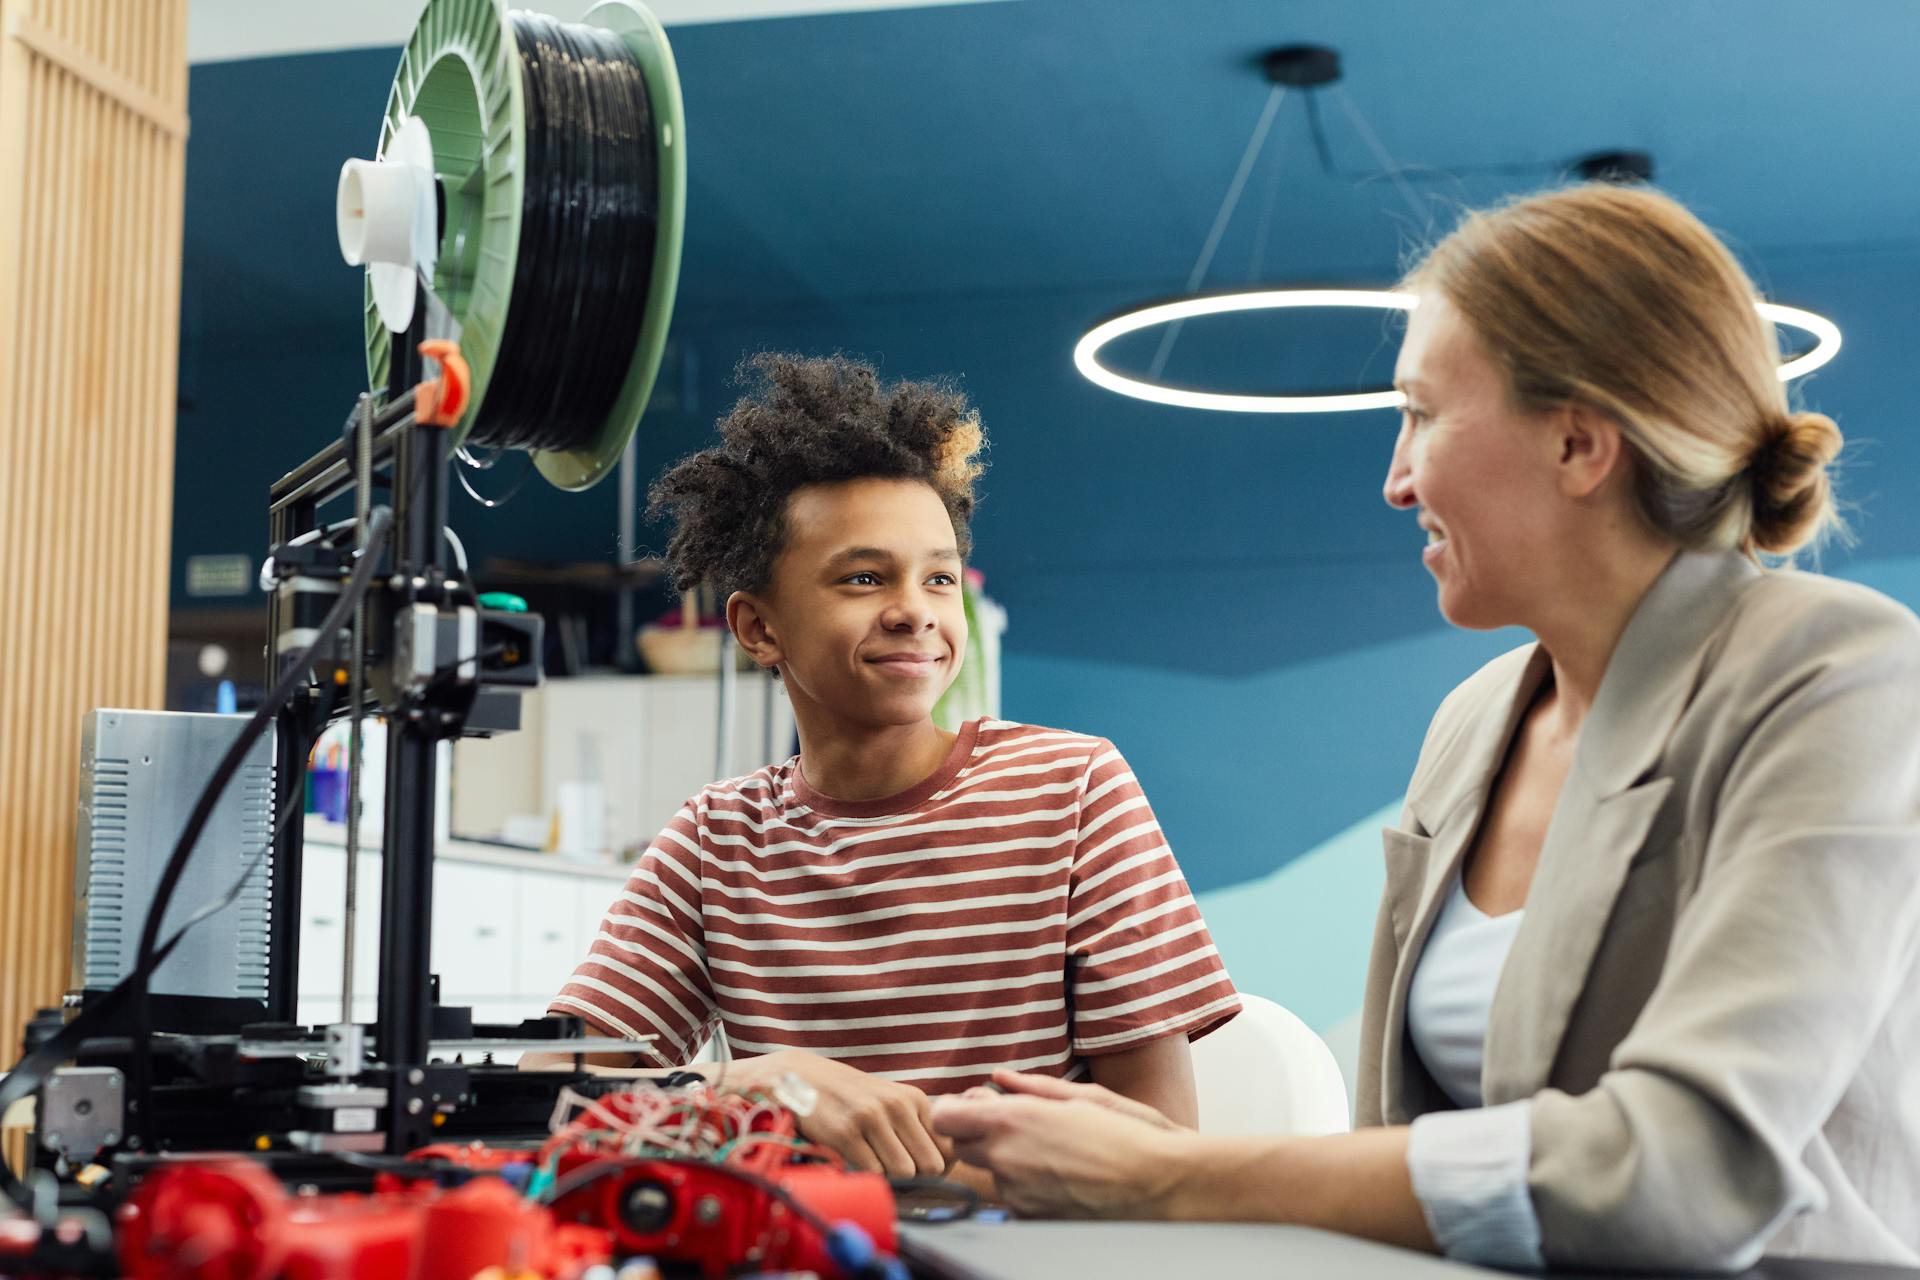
1301	935
1899	578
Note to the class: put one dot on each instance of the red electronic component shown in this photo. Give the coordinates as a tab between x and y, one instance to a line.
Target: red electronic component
209	1219
486	1223
721	1217
713	1181
223	1218
740	1196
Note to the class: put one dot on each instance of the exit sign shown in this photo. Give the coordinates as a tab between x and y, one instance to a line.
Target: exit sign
219	575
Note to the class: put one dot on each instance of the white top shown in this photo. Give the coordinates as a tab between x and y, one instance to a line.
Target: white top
1453	989
1469	1167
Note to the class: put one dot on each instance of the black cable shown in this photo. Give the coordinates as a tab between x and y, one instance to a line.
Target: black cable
592	1173
140	1063
589	217
586	1176
466	461
30	1072
444	1173
962	1200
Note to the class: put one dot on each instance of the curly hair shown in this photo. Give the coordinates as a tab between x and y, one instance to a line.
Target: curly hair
804	421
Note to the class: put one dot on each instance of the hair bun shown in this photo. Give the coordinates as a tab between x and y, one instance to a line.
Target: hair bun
1792	495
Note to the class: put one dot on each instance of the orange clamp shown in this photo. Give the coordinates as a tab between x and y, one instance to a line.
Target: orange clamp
439	402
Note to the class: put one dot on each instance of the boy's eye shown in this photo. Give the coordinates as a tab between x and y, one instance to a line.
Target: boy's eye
864	579
942	580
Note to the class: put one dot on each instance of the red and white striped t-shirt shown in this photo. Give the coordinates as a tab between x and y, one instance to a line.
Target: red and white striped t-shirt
925	937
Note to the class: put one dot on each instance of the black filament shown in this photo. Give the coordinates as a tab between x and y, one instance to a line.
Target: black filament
588	220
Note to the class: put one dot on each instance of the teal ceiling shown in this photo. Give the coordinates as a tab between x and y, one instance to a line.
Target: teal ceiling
1054	146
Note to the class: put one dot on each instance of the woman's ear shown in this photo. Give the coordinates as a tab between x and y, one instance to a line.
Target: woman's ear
1591	448
751	622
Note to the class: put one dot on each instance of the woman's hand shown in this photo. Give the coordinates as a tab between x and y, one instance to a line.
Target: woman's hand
1015	1082
1087	1154
873	1124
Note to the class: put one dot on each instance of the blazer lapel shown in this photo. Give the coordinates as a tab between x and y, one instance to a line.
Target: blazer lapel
1607	807
1590	843
1447	802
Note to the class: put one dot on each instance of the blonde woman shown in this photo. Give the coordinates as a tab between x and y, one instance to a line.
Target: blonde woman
1643	988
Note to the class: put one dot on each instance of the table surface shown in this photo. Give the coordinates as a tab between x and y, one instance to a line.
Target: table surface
1228	1251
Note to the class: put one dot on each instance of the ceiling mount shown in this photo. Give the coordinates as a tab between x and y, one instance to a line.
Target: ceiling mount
1615	166
1302	66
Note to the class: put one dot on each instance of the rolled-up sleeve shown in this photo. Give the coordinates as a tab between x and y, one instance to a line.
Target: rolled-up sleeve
1469	1173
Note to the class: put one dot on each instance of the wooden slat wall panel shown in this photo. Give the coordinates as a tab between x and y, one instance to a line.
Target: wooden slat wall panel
93	97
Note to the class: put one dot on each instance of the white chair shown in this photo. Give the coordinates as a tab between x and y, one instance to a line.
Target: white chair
1267	1072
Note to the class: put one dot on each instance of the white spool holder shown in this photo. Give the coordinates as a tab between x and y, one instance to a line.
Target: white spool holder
384	212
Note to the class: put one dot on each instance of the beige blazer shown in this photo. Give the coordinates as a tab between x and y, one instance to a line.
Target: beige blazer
1714	997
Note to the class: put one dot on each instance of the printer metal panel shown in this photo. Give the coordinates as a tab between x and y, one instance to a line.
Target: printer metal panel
140	774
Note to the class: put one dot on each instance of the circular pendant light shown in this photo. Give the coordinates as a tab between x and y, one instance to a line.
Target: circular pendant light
1313	68
1826	338
1086	353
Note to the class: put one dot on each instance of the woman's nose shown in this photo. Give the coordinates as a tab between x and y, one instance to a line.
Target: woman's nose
1398	490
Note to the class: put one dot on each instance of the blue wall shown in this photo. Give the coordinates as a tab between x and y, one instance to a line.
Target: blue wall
1225	596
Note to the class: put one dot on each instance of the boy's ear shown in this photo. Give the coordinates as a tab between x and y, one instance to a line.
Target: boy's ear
748	619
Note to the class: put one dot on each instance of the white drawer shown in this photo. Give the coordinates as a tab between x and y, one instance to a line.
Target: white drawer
323	886
591	900
555	933
366	929
475	915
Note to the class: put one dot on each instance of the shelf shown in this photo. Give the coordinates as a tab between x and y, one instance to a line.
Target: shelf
319	831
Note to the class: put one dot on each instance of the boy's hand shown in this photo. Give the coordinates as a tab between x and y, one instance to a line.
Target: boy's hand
872	1124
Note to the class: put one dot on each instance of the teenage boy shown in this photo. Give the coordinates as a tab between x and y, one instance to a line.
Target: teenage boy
898	910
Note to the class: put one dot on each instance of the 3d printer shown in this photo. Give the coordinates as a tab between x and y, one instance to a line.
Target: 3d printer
522	230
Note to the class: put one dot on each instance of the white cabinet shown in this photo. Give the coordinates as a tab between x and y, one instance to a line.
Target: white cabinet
683	742
508	929
323	888
590	903
648	742
368	893
553	935
476	931
323	930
